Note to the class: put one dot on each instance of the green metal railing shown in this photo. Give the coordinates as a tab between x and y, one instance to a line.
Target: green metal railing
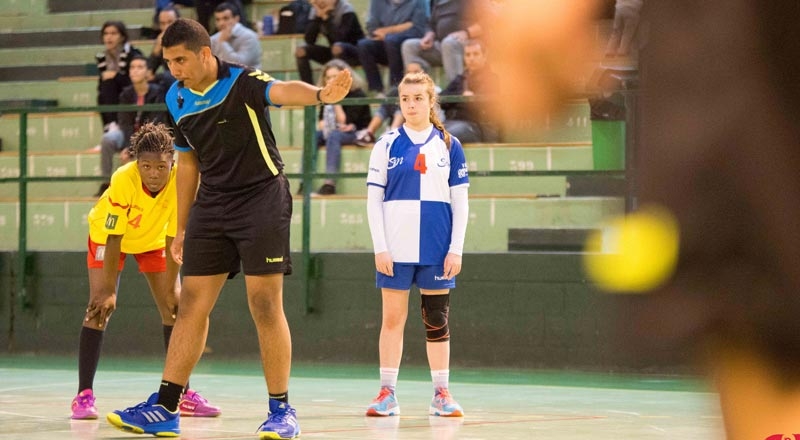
307	175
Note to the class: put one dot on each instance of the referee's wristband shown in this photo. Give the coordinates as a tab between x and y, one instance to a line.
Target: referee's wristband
319	100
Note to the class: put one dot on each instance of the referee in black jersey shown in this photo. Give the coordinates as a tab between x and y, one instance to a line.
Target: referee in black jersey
234	213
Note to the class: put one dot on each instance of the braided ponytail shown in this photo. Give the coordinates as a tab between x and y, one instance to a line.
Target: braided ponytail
440	126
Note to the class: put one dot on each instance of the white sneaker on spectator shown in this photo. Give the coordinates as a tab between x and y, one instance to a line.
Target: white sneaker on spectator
364	138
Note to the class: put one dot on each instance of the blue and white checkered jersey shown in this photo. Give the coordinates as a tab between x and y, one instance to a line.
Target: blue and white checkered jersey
417	179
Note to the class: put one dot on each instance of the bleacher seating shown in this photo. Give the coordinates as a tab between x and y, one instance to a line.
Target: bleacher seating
60	144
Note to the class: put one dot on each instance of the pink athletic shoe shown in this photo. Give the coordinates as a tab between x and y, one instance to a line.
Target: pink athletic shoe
444	405
83	406
194	405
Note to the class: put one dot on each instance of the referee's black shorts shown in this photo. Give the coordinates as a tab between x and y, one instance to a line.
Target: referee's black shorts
248	228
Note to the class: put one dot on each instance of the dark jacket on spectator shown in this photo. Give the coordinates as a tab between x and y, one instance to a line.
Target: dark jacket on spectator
129	122
342	25
359	114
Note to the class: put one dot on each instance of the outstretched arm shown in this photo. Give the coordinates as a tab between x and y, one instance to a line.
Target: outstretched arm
301	93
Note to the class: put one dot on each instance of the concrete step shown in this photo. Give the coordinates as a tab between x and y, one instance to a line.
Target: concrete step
53	132
77	91
19	20
90	5
77	131
55	55
70	131
16	9
338	224
46	72
354	160
481	157
60	37
277	53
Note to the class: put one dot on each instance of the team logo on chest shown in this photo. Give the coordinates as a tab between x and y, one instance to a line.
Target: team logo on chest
395	162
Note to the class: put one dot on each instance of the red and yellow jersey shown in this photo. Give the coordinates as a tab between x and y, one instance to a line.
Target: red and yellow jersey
127	208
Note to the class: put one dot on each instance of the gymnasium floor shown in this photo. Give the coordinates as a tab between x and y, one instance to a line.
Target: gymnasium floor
35	395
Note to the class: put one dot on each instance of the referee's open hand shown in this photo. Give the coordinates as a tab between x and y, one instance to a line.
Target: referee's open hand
336	89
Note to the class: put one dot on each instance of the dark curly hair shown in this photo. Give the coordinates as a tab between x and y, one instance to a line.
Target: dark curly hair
152	137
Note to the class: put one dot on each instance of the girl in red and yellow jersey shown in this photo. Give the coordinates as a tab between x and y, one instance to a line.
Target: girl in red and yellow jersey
136	215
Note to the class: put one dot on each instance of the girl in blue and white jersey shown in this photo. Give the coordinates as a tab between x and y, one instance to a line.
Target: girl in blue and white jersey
417	206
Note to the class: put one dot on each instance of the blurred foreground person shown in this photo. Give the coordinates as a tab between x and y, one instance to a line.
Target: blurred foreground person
718	152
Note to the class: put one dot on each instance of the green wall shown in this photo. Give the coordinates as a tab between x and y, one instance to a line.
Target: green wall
509	310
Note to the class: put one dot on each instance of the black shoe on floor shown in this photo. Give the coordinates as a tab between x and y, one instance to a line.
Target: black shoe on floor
327	190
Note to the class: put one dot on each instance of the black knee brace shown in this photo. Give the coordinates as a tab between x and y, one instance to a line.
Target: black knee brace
435	309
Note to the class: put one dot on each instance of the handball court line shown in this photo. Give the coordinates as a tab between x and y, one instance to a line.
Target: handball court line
35	405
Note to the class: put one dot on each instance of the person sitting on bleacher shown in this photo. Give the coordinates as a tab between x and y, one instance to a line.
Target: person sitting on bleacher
203	8
112	65
469	122
161	5
389	24
117	138
338	22
234	42
338	123
166	17
448	30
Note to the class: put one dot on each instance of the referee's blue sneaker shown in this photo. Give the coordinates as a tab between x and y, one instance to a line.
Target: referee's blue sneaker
281	423
147	418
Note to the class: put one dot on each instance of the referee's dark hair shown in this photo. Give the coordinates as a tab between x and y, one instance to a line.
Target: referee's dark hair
152	137
188	32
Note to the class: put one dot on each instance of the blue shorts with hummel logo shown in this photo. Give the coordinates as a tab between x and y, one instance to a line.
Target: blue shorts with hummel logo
424	276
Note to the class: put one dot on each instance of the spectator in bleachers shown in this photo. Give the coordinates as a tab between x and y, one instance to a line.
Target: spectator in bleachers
390	22
443	43
338	22
338	123
204	9
160	5
234	42
112	65
117	139
469	121
166	17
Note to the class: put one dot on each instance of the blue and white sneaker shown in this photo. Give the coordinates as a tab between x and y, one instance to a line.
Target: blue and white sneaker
281	423
444	405
147	418
385	404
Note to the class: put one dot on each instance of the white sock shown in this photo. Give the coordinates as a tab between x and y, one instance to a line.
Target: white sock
441	378
389	377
